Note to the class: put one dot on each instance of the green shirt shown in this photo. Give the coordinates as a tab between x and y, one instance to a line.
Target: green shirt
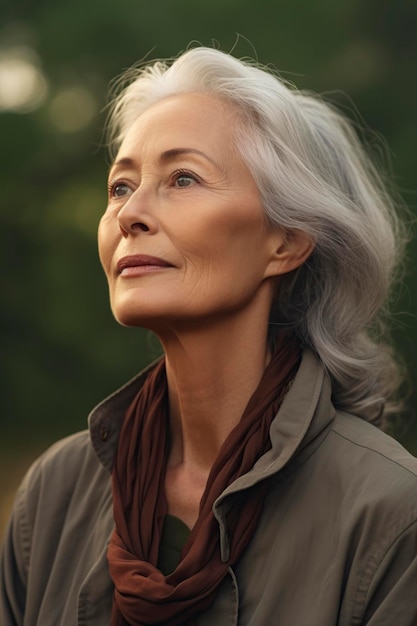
174	535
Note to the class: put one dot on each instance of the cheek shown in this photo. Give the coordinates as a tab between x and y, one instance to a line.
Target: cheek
223	250
107	242
214	230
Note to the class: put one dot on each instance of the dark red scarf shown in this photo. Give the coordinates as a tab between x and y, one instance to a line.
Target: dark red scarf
143	595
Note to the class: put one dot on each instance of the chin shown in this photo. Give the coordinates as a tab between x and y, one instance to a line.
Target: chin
143	316
133	319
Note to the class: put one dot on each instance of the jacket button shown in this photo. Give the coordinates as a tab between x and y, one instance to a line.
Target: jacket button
104	434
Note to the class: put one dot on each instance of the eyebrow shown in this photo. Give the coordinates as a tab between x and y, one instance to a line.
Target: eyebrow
169	155
124	162
165	157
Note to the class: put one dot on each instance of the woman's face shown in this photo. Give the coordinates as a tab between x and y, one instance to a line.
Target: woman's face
184	236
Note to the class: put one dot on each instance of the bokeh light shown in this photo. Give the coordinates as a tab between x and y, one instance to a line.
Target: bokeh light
72	109
23	85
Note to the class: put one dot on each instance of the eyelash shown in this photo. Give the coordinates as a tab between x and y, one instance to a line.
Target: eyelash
111	187
113	184
178	173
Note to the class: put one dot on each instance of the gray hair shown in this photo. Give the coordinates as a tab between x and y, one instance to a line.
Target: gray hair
314	176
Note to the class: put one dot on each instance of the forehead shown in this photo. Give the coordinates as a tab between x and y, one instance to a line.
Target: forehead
197	117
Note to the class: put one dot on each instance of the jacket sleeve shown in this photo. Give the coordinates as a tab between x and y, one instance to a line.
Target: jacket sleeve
387	593
13	568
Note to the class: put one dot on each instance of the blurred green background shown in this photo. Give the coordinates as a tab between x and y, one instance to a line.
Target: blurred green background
61	350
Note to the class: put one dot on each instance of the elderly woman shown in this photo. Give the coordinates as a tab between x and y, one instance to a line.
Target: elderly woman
242	479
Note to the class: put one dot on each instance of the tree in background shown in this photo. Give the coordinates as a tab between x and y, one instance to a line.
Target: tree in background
62	351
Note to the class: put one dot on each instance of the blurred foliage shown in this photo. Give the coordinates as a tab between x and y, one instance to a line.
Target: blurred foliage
62	351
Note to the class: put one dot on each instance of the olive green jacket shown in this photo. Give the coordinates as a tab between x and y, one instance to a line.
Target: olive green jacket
336	544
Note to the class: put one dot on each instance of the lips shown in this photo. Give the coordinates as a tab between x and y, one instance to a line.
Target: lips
141	261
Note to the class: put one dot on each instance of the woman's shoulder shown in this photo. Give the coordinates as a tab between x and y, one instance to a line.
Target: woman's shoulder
374	447
376	478
62	459
62	515
68	468
372	469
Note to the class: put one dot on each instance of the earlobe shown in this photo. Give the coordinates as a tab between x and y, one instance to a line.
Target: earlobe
291	250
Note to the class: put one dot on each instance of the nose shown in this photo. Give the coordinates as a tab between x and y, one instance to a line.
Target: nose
136	215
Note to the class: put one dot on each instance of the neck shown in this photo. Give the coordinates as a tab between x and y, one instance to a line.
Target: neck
211	376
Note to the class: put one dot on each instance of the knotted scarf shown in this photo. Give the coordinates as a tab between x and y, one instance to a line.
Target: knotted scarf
143	595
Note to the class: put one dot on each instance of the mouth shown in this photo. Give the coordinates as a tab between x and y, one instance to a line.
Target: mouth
140	263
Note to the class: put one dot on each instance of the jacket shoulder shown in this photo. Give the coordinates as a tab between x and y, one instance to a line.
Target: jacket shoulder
61	520
373	446
62	462
372	474
66	473
379	504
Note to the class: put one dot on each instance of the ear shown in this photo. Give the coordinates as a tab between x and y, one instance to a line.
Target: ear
290	250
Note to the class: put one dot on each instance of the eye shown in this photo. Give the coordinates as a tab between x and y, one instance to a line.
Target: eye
119	189
184	178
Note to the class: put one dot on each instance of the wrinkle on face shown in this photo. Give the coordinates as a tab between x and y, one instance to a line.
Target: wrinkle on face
215	232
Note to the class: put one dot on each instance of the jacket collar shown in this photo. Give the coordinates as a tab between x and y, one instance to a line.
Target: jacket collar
292	429
105	420
306	410
305	413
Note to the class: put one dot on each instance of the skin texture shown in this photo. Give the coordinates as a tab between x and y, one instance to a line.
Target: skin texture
179	191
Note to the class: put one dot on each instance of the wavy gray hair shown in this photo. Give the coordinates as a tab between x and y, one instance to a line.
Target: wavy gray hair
314	176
